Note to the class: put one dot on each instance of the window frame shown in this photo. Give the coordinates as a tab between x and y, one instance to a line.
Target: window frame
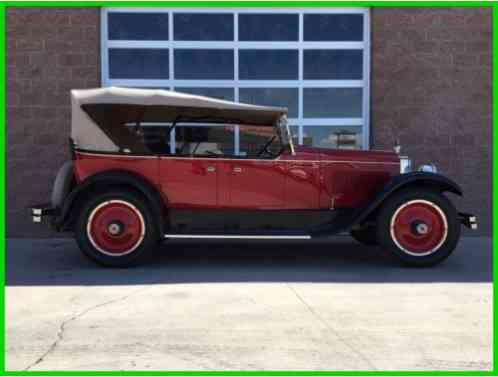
237	45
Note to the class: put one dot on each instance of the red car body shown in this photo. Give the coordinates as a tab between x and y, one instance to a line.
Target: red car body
129	184
311	179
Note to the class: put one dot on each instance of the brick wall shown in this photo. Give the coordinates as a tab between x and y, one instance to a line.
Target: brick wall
49	52
431	88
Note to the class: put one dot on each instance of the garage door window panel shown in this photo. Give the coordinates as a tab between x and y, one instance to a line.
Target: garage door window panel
333	102
138	63
138	26
333	27
203	27
268	27
333	64
268	64
197	64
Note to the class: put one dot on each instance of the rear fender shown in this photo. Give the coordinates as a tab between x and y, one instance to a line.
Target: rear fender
64	182
103	180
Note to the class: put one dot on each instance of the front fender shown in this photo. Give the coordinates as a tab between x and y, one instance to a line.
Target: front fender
110	178
414	179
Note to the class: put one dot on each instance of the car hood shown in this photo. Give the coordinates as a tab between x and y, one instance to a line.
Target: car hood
325	154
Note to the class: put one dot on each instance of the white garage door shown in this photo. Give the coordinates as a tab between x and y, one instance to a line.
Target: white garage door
314	61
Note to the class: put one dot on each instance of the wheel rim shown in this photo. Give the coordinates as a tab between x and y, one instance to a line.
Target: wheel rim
419	227
115	228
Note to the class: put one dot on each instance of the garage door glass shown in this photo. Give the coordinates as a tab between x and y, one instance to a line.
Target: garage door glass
313	61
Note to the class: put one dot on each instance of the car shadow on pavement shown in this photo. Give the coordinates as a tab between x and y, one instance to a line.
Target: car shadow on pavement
339	259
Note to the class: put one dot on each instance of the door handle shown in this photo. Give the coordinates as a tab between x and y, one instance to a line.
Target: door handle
237	169
210	169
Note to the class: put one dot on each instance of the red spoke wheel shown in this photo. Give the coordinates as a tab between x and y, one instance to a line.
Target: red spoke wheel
419	227
115	228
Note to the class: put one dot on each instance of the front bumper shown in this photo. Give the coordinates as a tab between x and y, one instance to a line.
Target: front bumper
469	220
41	212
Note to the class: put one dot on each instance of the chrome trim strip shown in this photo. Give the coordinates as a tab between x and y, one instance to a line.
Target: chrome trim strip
236	159
359	162
115	155
277	160
236	236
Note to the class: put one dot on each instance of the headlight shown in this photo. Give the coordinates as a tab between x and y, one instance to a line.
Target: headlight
405	164
428	168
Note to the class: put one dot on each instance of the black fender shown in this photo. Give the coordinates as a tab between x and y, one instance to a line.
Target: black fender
349	218
432	181
123	179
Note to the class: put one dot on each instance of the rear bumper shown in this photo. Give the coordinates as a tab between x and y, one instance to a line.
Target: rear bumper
42	212
469	220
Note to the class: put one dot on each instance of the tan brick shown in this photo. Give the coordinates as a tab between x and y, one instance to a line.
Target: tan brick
86	19
435	94
38	114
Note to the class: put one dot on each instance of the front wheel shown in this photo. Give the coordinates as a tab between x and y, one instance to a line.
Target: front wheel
420	227
116	229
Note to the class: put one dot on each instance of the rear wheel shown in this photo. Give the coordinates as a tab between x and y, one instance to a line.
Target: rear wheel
420	227
116	229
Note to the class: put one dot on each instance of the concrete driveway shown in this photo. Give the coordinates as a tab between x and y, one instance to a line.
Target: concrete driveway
328	305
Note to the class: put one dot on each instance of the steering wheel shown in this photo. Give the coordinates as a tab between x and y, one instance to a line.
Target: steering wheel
265	150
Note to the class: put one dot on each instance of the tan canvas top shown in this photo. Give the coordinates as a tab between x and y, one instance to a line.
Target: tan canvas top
151	105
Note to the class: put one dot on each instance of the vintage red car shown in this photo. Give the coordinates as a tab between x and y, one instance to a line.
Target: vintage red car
151	165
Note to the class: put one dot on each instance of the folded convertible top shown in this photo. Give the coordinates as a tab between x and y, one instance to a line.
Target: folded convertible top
99	115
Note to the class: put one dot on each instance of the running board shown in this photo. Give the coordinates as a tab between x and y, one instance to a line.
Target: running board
240	236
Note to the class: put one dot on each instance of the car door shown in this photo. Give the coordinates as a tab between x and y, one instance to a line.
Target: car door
253	183
189	182
189	177
254	180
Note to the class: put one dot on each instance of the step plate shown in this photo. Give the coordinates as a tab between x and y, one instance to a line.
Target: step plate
240	236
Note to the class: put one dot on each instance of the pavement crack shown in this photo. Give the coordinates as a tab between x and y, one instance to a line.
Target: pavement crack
74	317
320	319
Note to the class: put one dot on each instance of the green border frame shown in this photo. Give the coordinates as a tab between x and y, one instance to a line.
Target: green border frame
246	3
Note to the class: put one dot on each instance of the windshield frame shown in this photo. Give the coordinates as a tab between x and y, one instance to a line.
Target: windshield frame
285	134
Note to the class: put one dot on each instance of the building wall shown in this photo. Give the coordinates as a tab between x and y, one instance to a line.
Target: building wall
430	87
49	52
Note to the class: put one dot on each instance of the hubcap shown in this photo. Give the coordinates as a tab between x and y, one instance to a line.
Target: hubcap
115	228
422	228
419	227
